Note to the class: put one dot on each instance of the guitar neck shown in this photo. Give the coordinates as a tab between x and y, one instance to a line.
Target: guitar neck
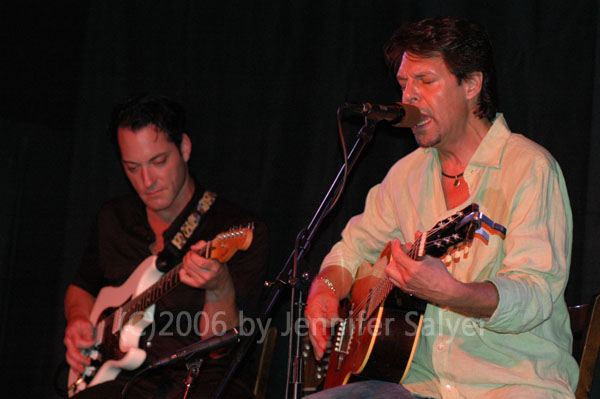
154	293
159	289
380	292
221	248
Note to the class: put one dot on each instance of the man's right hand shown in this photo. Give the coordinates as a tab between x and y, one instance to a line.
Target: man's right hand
327	289
322	314
79	335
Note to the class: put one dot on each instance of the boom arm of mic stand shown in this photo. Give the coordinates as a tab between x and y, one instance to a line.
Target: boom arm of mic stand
199	348
364	136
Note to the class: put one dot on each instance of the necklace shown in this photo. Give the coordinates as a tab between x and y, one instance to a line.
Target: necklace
456	178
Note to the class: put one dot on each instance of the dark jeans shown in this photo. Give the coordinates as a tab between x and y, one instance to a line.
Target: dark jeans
365	389
167	384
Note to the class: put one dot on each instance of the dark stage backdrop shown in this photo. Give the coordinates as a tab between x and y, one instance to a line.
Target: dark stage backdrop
261	81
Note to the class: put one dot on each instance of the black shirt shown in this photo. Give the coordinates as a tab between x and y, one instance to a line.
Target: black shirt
121	240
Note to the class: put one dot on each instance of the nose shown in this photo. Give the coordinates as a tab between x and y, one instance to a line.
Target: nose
409	94
147	178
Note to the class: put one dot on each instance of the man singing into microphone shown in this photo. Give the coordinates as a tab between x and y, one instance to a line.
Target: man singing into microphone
496	324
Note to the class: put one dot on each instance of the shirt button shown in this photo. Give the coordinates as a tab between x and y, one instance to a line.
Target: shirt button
448	386
441	347
149	344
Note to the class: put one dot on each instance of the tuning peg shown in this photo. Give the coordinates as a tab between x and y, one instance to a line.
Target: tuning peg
447	260
466	251
457	255
483	234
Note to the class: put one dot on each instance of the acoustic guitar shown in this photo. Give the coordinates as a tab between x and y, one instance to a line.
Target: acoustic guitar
378	336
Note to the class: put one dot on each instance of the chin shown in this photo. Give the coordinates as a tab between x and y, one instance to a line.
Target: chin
427	142
157	205
422	142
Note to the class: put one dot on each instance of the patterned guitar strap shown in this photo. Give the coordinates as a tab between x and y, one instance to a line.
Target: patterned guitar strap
178	244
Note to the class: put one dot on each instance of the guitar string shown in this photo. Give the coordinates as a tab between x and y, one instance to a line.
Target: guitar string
172	274
137	302
384	287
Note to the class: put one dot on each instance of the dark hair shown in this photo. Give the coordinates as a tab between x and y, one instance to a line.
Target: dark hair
464	46
140	111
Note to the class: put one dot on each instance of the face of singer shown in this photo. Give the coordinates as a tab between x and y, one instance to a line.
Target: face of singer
427	83
156	168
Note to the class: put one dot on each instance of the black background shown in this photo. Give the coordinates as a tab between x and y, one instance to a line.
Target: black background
261	81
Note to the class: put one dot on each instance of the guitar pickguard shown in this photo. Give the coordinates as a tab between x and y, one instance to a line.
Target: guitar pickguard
125	330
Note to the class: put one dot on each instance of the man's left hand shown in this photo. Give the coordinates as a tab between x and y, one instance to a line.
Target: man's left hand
200	272
428	279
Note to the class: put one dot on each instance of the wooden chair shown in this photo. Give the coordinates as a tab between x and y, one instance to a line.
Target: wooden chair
265	358
255	366
585	324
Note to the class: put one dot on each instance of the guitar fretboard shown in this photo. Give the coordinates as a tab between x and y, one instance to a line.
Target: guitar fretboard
378	294
431	242
153	293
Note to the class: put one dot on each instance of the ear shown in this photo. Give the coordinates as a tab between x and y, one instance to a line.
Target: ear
472	84
185	147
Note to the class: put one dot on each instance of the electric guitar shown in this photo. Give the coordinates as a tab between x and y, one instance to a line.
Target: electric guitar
120	314
379	335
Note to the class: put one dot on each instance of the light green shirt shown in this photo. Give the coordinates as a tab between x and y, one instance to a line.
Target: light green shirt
524	349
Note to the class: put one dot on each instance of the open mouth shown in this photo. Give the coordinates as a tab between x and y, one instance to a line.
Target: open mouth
424	121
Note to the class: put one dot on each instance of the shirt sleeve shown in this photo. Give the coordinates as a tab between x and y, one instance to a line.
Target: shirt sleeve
366	234
117	244
89	276
535	270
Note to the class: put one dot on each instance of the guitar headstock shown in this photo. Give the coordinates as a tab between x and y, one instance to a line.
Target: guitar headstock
226	244
459	230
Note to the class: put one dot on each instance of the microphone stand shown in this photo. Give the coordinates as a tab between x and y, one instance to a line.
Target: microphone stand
289	275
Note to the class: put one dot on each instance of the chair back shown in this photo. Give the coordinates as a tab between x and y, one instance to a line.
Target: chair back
585	324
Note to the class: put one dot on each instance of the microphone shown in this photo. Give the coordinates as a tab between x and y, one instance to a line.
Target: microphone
398	114
200	348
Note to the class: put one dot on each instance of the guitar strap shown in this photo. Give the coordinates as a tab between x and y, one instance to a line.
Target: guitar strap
177	240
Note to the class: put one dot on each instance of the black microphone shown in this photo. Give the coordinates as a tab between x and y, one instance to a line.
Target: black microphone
200	348
398	114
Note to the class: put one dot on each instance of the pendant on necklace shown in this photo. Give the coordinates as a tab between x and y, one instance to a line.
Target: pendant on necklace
456	178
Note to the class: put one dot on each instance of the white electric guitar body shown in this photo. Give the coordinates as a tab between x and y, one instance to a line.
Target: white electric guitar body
120	314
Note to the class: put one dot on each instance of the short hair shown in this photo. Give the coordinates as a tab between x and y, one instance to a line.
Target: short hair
463	45
137	112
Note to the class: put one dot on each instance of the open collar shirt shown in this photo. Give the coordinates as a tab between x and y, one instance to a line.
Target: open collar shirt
524	349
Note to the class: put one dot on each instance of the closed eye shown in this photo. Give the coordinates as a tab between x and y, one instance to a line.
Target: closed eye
402	83
160	161
131	168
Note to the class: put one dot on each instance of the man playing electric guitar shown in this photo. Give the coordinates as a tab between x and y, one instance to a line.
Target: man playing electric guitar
496	324
172	217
